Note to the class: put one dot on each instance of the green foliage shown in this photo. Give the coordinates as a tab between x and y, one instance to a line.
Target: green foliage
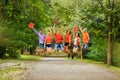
16	17
2	51
116	55
97	53
98	50
12	52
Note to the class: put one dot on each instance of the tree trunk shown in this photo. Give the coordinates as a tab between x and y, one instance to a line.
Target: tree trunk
109	50
31	51
110	37
22	51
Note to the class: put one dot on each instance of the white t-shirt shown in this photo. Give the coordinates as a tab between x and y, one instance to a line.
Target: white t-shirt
75	41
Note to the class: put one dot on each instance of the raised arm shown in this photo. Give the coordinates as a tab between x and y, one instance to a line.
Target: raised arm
80	29
35	31
54	29
88	37
63	30
50	31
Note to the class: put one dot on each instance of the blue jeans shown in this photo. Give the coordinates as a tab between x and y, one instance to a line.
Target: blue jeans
85	46
58	45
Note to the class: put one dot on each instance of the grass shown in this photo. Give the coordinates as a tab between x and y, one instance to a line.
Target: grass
101	64
29	58
21	58
116	54
9	72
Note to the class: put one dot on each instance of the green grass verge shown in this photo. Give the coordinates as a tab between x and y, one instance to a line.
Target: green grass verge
97	63
116	55
29	58
102	64
8	73
11	72
21	58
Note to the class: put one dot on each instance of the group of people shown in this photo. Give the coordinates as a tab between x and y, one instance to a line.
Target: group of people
70	44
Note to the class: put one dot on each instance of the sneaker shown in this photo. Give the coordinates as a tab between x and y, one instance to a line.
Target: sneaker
72	56
68	55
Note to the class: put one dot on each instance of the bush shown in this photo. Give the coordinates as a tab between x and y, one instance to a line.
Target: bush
12	53
97	51
2	51
116	55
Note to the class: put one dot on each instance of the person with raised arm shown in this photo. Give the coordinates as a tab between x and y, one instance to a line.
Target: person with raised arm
48	41
67	42
58	40
85	40
40	35
41	38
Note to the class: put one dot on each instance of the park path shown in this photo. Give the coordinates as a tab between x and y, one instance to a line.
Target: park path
62	69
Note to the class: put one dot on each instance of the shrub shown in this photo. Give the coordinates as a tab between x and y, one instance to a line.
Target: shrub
116	55
97	51
12	53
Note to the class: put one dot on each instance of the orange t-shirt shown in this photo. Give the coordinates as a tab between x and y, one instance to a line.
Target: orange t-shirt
67	38
58	38
48	38
85	37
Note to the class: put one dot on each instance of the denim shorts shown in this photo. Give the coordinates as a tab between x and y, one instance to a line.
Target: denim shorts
66	43
75	46
48	45
41	46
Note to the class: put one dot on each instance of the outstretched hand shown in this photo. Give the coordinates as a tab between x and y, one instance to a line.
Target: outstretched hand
31	25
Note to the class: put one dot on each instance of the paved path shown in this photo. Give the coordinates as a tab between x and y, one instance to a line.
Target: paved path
61	69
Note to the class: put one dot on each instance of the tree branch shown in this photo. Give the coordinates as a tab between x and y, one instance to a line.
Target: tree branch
109	3
113	4
100	2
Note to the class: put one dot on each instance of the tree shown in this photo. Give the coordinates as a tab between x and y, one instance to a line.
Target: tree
109	8
16	15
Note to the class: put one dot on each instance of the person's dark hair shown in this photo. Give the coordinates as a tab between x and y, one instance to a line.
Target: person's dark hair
68	31
78	34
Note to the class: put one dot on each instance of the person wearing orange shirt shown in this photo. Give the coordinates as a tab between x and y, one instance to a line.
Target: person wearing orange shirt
67	42
58	41
48	41
85	40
